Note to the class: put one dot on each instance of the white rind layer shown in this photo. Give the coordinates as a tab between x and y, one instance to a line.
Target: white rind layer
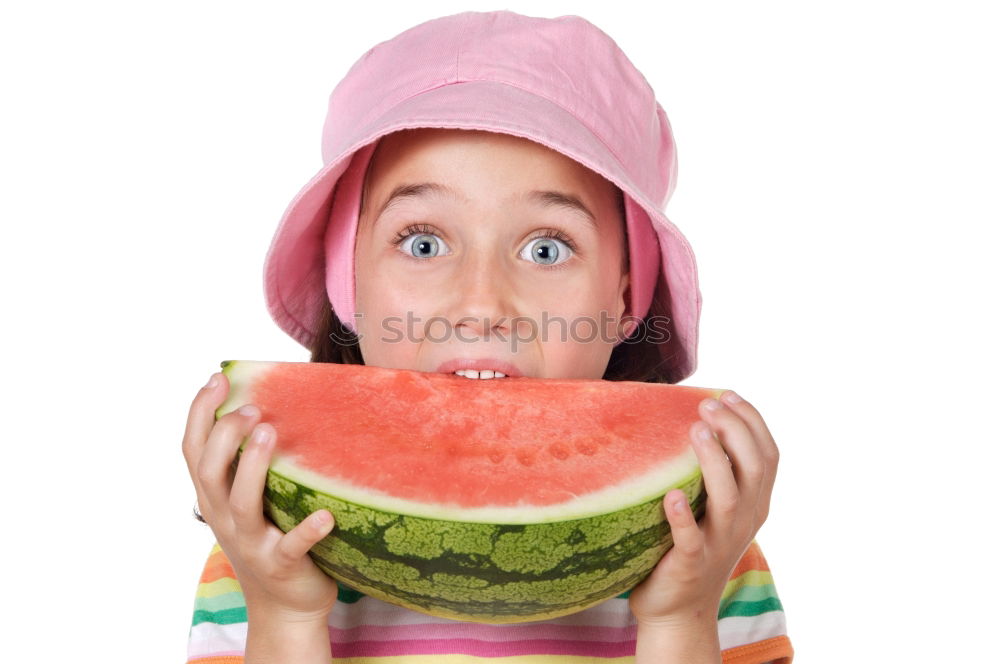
642	489
242	373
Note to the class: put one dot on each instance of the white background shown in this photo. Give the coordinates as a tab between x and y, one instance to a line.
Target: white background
838	182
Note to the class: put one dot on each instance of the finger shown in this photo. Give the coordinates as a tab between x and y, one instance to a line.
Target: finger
215	468
246	502
762	435
201	419
717	472
688	552
297	541
738	441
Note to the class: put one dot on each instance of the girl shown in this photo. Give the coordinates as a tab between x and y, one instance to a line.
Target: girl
487	173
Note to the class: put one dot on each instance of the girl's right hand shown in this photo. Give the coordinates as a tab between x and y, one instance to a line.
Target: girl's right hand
275	573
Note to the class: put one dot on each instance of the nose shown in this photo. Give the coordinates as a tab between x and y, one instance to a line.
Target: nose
483	303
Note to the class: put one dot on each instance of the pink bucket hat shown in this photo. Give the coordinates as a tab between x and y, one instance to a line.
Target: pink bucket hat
560	82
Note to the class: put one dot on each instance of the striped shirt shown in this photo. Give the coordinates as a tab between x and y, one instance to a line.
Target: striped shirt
365	630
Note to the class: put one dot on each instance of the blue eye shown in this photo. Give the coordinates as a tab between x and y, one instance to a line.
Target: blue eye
425	242
547	249
424	245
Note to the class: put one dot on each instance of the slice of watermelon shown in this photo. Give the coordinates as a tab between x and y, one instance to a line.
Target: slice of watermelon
495	501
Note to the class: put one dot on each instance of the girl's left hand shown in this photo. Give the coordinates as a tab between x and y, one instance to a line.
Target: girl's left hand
686	586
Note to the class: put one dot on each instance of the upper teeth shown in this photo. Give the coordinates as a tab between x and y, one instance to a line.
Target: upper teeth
472	373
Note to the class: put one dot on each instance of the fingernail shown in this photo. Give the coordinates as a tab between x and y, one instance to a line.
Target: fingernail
678	505
248	410
212	382
321	519
705	433
261	436
732	397
712	404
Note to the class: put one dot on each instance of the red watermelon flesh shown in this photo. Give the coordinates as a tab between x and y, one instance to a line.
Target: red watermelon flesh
443	440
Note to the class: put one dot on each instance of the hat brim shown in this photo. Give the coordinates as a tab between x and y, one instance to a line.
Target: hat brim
294	269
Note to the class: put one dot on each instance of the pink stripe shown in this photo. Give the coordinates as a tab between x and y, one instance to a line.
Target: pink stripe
479	648
479	632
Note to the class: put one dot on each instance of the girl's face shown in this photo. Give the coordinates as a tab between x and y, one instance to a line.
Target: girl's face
453	259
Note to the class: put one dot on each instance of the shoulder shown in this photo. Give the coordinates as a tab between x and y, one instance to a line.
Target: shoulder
219	622
751	617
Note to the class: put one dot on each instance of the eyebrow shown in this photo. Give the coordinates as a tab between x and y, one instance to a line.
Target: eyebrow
545	198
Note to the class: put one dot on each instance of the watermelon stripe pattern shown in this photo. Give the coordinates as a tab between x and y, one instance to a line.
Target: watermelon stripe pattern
479	571
365	630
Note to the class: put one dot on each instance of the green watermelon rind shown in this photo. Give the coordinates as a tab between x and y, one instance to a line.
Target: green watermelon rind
480	572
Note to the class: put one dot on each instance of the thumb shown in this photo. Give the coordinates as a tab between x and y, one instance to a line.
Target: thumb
688	553
297	542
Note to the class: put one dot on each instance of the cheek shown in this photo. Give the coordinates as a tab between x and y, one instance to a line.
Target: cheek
581	291
384	297
392	301
377	286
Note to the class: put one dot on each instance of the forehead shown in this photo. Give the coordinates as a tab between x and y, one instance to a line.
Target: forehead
477	162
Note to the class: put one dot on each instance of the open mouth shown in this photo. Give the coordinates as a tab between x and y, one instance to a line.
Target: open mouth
479	368
485	374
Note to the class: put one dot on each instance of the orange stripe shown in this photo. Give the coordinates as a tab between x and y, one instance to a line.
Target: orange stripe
217	567
777	649
229	659
753	559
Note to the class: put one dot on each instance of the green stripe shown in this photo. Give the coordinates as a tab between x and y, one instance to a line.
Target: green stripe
224	617
751	608
751	594
231	608
233	600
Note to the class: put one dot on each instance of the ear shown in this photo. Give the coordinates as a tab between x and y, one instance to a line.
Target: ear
624	302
